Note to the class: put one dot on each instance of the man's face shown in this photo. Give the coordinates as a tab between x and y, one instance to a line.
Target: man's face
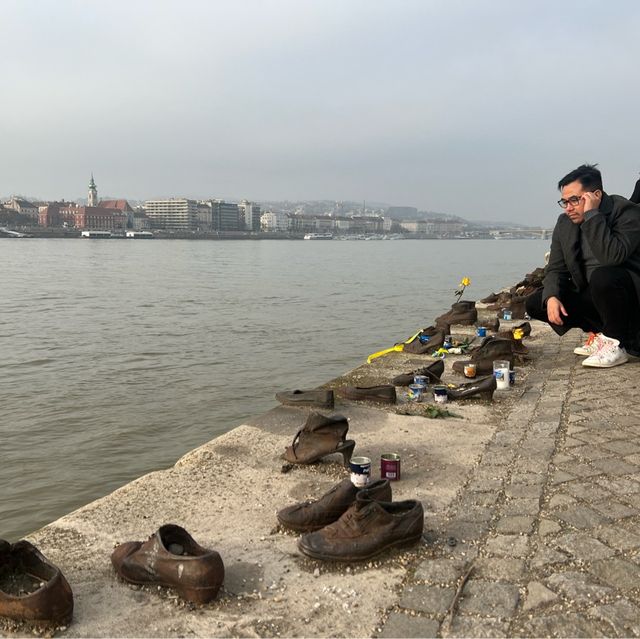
572	194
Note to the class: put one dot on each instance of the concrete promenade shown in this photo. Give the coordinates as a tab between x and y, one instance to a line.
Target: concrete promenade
532	512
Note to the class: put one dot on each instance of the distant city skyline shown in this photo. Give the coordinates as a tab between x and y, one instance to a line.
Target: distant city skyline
469	109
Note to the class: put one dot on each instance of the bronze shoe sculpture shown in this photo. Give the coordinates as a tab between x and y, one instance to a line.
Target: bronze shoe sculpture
366	529
525	329
433	371
484	387
502	299
171	558
517	306
313	515
531	283
32	590
492	324
490	299
428	340
463	313
318	398
383	394
492	348
319	437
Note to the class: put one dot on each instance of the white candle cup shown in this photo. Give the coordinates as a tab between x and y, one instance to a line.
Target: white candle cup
501	373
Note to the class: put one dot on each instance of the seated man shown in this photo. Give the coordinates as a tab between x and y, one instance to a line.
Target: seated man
592	280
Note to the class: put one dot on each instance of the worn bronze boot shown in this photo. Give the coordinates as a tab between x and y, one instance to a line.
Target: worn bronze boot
524	328
171	558
492	348
428	340
319	437
503	299
517	306
382	394
32	590
366	529
433	371
492	324
484	388
531	283
462	313
313	515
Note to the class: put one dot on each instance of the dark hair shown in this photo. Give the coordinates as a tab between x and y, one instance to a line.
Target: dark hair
587	175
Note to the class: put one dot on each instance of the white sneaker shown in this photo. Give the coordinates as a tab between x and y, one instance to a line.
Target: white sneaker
590	346
609	354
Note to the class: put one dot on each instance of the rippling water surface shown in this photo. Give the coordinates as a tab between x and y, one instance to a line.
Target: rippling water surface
116	357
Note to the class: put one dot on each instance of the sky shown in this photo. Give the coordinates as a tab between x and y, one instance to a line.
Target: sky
474	108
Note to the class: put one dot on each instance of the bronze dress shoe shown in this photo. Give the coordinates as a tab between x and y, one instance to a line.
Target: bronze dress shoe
317	398
433	371
502	299
383	394
365	530
490	299
312	515
484	387
32	590
171	558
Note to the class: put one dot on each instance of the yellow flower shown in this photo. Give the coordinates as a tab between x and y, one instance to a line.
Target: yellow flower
465	281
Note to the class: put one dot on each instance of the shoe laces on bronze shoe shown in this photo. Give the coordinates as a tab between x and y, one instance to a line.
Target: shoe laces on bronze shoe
366	529
313	515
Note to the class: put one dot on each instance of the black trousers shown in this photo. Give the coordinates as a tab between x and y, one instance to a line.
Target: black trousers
608	305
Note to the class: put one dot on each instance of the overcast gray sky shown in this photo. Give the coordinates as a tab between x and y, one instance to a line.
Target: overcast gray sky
474	108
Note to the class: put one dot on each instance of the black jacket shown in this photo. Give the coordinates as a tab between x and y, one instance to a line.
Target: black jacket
613	233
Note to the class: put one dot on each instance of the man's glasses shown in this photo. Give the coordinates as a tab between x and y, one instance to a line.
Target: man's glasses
574	200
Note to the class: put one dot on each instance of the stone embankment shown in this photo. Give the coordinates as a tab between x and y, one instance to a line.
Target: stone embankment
532	506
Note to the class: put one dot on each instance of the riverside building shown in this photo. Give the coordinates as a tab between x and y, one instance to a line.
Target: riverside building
95	216
226	216
174	214
250	213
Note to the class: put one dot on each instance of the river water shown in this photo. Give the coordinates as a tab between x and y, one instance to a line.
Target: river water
117	357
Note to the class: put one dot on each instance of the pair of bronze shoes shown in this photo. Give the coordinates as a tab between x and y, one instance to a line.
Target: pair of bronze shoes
319	437
354	524
33	591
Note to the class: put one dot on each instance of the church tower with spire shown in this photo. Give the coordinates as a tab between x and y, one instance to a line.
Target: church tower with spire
92	200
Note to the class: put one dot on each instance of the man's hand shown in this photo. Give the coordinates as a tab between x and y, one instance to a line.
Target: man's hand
555	311
591	200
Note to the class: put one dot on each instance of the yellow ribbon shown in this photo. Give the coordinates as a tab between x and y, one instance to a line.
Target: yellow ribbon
397	348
